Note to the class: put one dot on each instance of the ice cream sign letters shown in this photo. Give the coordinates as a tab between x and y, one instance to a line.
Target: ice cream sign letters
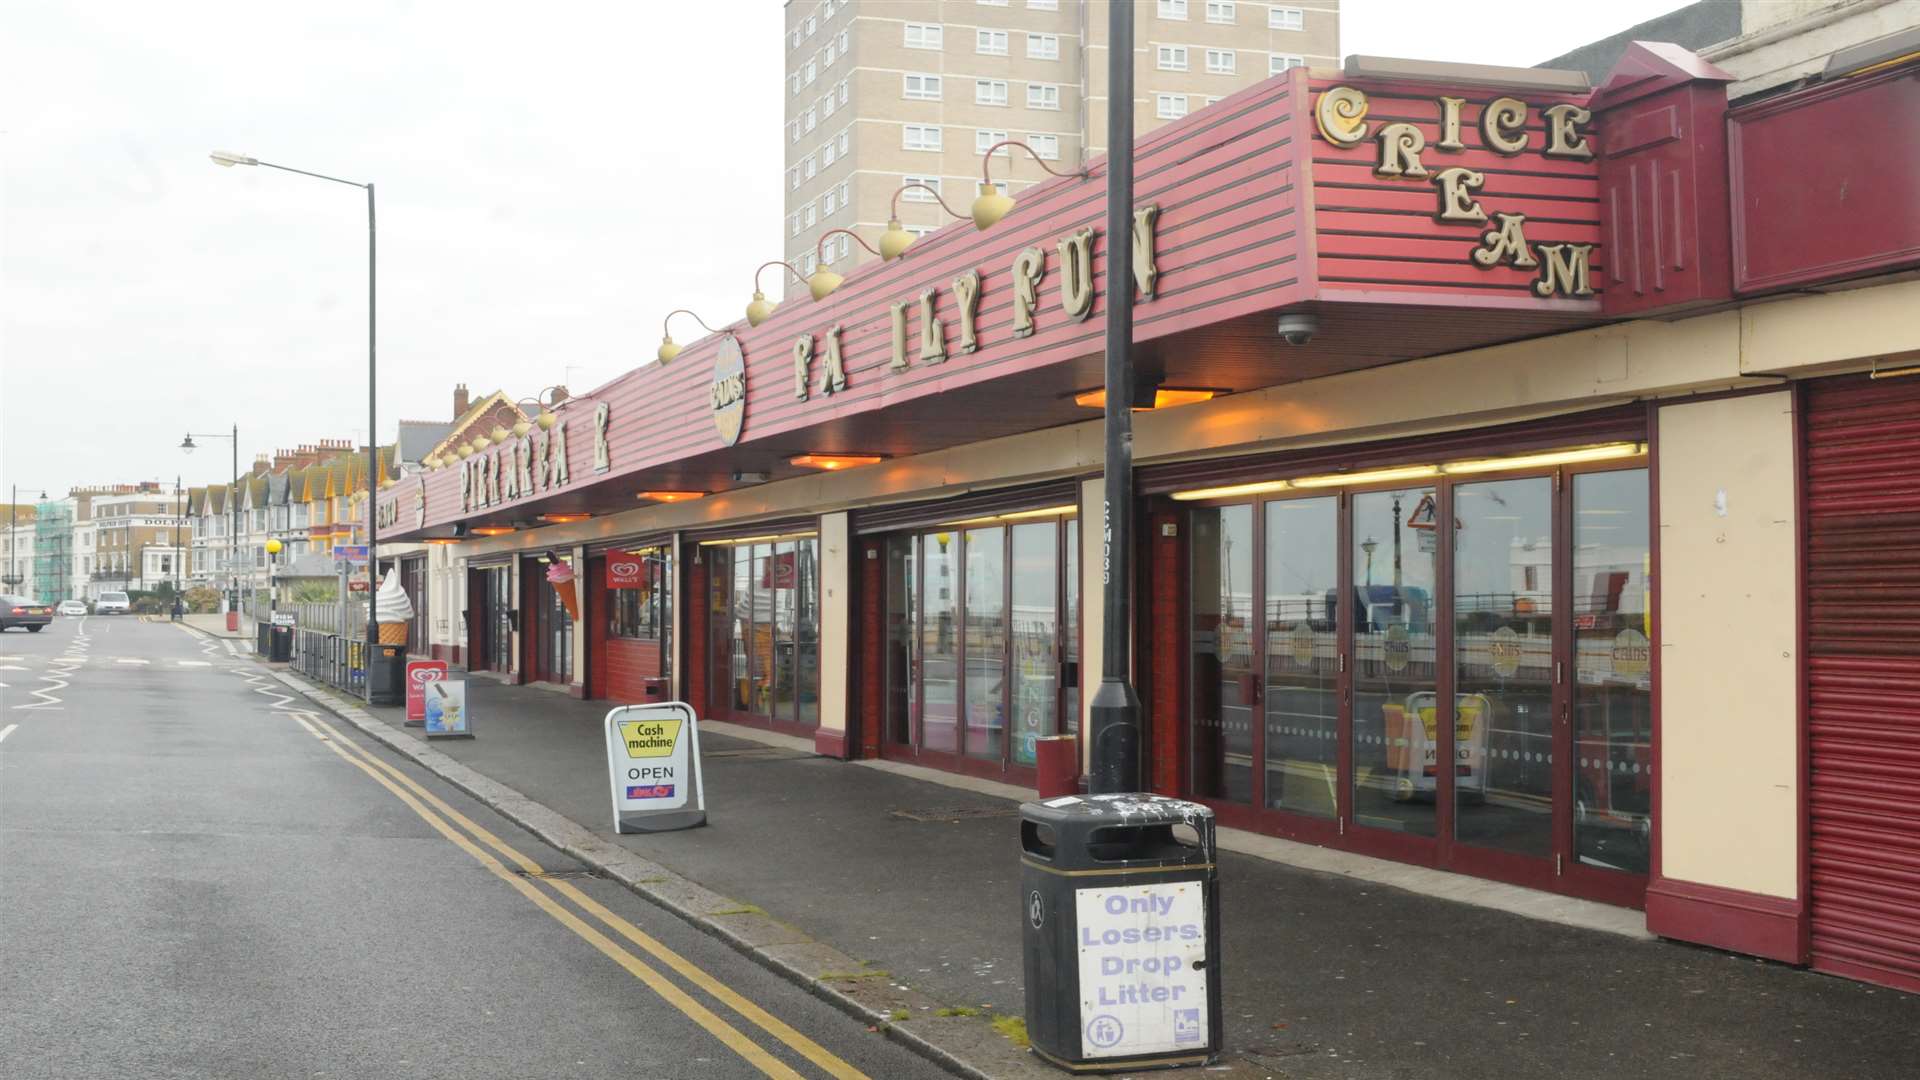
1143	981
653	762
1341	115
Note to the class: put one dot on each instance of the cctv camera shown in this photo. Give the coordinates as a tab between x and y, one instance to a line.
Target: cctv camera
1298	328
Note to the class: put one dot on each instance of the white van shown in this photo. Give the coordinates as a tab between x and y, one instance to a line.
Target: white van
112	603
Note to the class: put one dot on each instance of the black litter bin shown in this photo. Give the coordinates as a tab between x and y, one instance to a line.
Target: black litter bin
387	674
1121	928
282	642
262	639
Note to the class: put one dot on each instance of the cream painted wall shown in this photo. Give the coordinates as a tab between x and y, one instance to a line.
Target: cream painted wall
579	627
836	617
1729	733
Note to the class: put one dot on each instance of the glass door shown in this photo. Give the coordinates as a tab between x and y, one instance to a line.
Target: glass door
1222	660
1504	650
981	643
1301	695
1394	744
1034	637
1611	756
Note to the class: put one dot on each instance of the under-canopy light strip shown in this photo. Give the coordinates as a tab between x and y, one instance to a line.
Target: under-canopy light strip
733	541
1578	455
1019	515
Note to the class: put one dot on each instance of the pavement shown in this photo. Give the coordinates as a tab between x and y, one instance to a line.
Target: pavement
908	890
204	876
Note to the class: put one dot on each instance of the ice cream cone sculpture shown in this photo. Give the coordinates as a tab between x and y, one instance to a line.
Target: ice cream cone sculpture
560	576
392	610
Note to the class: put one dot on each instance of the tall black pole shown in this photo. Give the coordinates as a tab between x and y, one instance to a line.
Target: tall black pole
373	449
1115	712
13	537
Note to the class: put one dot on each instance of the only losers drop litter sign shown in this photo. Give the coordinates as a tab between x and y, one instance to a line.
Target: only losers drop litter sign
1143	980
653	758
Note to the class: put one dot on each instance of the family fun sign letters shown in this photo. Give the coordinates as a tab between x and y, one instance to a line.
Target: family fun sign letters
1341	113
1072	260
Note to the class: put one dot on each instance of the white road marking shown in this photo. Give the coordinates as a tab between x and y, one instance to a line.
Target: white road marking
130	660
11	667
194	663
8	730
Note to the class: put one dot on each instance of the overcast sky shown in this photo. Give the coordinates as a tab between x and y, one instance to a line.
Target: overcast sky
552	179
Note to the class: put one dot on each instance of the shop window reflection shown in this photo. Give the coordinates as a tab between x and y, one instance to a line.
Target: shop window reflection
1612	684
1394	709
1503	664
1302	694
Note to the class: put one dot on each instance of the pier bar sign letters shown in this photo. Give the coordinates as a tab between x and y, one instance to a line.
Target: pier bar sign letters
1143	979
653	761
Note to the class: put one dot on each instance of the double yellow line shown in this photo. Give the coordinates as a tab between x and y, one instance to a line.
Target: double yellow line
443	818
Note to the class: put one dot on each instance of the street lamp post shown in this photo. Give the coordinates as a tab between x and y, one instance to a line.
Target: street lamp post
226	160
188	446
1114	714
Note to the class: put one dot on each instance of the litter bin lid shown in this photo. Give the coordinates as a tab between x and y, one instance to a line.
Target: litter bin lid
1134	808
1111	833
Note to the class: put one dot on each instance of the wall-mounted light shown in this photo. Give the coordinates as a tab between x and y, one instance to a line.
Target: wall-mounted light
563	519
735	541
668	350
991	205
440	541
895	241
760	309
491	530
833	462
1164	397
481	442
1230	490
671	496
466	449
824	281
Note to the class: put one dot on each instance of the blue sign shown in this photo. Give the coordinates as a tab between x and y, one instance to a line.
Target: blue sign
350	552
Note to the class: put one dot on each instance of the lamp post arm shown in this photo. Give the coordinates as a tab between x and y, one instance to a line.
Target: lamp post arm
818	247
316	176
985	159
776	262
684	311
894	207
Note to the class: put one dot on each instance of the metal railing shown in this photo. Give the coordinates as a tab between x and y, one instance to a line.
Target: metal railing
338	661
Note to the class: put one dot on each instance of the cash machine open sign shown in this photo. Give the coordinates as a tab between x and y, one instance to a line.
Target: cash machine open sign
653	761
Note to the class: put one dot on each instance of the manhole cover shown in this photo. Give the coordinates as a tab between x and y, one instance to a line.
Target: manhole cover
955	813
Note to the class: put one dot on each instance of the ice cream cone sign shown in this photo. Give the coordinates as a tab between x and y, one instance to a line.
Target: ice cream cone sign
560	576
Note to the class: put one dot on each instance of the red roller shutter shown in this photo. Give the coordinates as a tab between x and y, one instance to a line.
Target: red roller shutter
1863	676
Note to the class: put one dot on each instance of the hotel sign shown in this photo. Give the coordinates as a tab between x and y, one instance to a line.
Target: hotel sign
1341	116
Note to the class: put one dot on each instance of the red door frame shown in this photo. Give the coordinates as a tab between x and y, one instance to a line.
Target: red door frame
1442	850
1006	770
722	697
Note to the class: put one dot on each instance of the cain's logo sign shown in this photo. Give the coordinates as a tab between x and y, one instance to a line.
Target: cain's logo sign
729	400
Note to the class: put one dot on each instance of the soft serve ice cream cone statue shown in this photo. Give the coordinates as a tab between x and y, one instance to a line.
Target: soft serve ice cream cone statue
560	576
392	610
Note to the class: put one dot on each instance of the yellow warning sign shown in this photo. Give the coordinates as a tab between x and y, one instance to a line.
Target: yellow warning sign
649	738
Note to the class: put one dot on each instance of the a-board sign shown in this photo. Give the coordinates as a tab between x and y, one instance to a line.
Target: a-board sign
421	674
1143	979
653	761
447	716
283	618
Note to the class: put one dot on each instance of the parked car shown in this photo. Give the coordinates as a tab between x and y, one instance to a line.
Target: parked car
112	603
72	607
20	611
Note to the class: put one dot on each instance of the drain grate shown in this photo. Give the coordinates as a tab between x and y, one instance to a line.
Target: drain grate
955	813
